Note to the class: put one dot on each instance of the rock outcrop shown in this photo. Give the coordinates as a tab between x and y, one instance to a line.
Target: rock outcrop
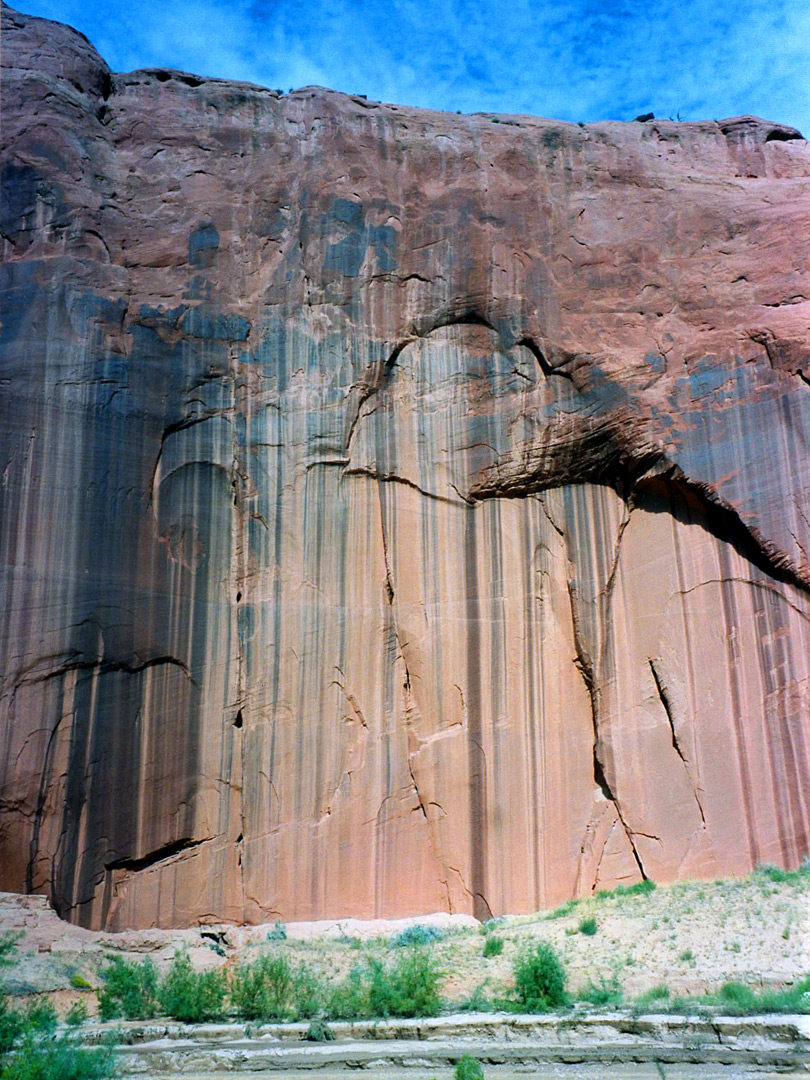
400	511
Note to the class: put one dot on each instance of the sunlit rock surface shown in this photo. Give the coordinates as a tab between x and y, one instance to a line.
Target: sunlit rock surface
401	511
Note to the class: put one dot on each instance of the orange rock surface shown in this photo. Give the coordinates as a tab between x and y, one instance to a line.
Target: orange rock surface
400	511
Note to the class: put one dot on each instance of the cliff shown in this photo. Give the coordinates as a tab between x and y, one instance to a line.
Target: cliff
400	511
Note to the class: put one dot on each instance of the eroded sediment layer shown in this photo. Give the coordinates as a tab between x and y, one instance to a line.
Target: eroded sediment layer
400	511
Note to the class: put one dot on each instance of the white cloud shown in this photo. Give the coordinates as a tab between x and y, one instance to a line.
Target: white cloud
578	60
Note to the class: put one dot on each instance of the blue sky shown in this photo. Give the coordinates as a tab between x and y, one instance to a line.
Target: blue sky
578	60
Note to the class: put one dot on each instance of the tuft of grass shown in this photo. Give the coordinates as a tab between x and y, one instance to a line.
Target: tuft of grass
476	1002
563	910
739	999
737	995
588	926
607	992
493	946
641	888
656	995
491	924
540	979
79	982
734	999
776	874
319	1031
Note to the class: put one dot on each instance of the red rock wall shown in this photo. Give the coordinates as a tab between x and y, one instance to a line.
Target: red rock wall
400	511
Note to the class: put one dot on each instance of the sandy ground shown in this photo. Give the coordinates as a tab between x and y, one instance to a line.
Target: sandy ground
690	937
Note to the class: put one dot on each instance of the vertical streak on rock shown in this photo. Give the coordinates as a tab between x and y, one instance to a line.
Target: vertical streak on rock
533	716
730	619
476	760
234	735
275	561
788	768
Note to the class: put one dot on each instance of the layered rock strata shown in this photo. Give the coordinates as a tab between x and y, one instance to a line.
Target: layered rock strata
400	511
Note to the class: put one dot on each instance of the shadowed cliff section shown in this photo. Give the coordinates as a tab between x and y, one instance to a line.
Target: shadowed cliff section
399	511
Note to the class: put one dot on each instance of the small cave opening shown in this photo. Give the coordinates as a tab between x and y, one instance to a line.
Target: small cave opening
237	723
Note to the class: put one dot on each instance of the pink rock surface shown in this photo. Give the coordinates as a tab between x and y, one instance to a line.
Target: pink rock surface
401	511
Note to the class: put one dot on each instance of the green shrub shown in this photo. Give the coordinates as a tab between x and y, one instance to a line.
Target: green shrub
278	933
130	990
11	1027
469	1068
47	1057
192	996
417	935
308	995
29	1047
539	978
588	926
493	946
40	1016
8	943
78	981
262	989
77	1014
348	1000
409	987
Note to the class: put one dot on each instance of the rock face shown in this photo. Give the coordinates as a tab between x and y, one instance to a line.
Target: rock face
400	511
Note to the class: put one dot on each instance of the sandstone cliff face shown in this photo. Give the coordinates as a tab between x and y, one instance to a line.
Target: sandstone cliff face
400	511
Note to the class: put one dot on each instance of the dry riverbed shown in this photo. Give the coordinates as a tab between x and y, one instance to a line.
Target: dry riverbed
543	1072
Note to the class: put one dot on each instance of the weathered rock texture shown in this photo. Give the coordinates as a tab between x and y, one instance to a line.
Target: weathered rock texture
400	511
